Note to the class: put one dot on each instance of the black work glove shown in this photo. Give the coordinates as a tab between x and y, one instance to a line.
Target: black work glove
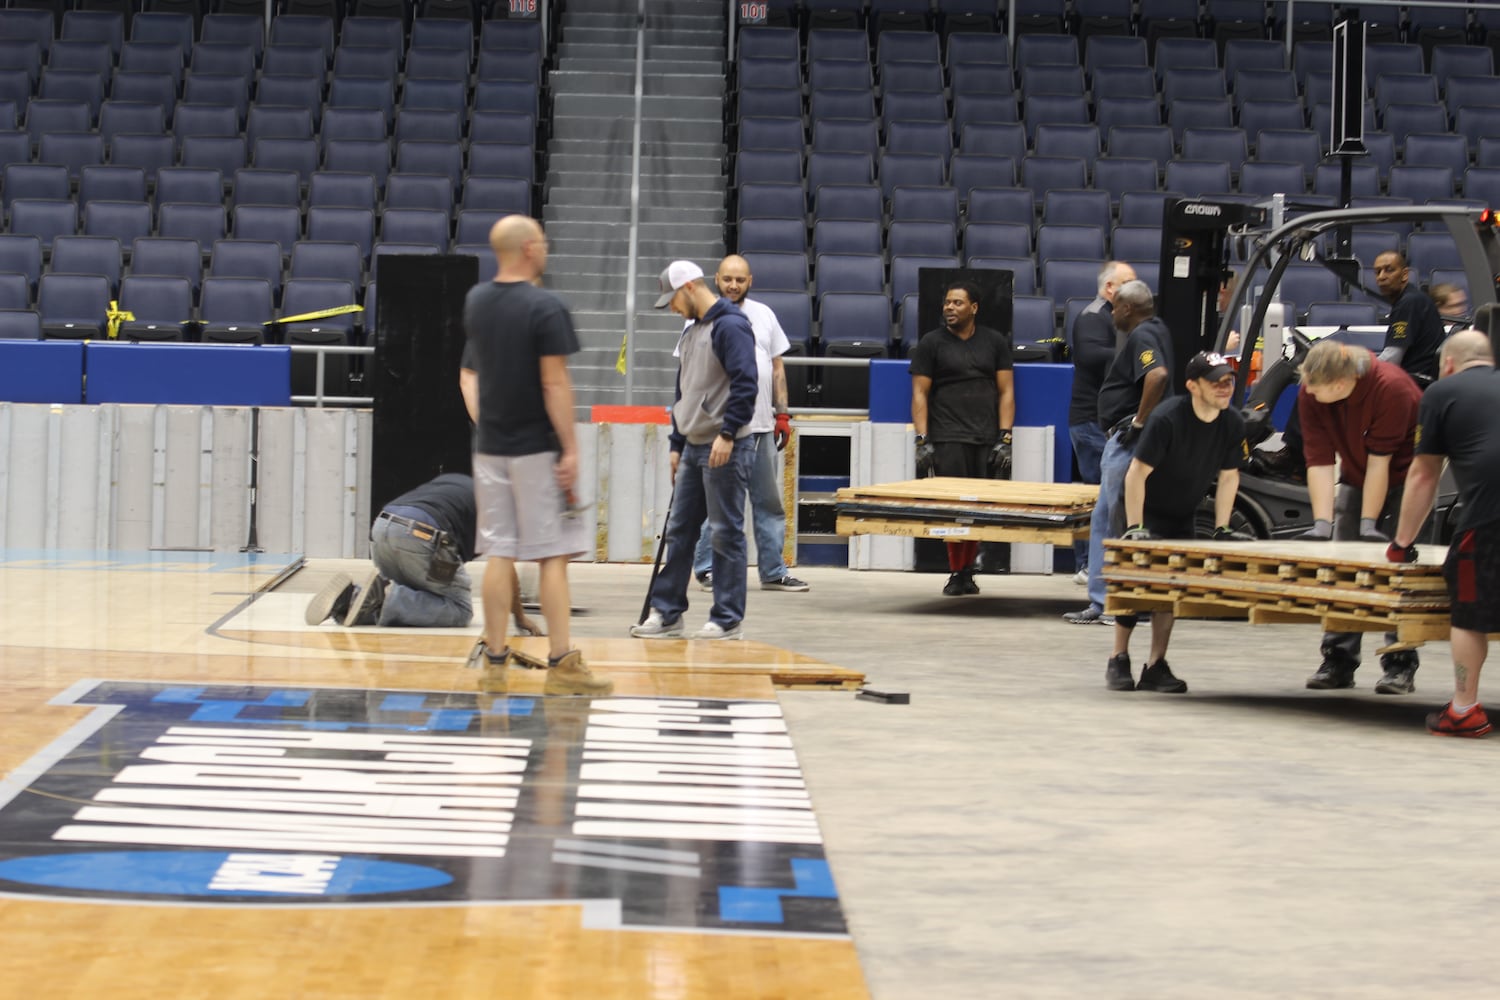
1137	533
926	459
1368	532
1001	457
1224	533
1129	433
1321	531
1398	553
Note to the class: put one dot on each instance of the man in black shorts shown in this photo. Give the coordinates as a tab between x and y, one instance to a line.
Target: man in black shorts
1188	443
1457	422
963	406
419	544
515	384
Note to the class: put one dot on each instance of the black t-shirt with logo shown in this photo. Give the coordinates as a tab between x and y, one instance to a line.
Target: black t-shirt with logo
1148	348
1457	419
1416	325
963	404
511	326
1186	455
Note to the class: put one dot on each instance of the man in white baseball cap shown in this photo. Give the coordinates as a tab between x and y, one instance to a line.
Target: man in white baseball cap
713	456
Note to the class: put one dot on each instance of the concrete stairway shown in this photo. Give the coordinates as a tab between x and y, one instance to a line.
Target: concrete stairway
587	197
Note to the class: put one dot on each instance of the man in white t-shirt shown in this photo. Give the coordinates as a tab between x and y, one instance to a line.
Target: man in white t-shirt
771	427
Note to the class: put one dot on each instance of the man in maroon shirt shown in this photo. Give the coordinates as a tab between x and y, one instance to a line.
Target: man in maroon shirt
1363	412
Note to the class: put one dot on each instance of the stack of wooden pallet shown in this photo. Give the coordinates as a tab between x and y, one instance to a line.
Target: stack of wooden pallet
1340	586
985	510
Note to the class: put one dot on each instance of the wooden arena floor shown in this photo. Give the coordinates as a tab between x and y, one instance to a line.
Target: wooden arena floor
203	797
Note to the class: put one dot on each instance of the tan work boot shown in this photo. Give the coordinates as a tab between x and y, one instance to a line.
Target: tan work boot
570	675
495	666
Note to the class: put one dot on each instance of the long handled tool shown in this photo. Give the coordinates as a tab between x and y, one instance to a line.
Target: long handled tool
661	547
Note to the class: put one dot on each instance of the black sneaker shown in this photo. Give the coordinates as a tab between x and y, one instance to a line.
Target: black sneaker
1158	677
967	579
787	583
1333	675
705	581
955	586
1117	673
364	609
1397	680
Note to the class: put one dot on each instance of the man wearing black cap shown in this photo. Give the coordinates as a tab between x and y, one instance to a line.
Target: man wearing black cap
1188	442
713	456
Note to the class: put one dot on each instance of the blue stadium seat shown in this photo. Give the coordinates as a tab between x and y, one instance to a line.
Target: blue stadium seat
161	305
967	172
21	255
1134	242
1022	269
1052	79
1365	179
102	182
1117	175
498	95
342	225
20	324
235	309
1043	173
359	156
428	191
1017	205
854	318
1144	208
755	201
904	272
124	220
1185	53
1265	178
350	61
988	49
242	29
225	153
1117	112
1227	144
267	187
93	26
72	306
848	273
793	310
773	235
87	255
338	261
758	41
189	186
1032	50
164	256
153	57
861	236
782	272
498	195
85	86
44	219
1069	242
1126	81
486	159
502	126
907	238
1061	109
223	59
35	180
204	223
847	201
303	29
121	117
1063	279
1198	177
982	79
431	125
975	109
919	203
997	239
195	120
1063	206
840	168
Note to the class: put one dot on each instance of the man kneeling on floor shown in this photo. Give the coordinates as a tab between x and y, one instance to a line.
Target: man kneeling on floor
419	544
1187	442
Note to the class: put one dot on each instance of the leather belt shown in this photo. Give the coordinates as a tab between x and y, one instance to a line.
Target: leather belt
407	522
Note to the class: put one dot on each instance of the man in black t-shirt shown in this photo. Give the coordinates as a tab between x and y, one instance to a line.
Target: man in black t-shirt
1456	421
963	406
1188	443
419	544
1094	343
1138	378
1415	330
515	383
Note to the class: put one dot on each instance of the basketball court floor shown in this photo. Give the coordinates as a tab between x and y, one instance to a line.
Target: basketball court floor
206	797
200	796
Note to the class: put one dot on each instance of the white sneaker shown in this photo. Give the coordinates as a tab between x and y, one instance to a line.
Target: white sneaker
1081	578
655	627
713	630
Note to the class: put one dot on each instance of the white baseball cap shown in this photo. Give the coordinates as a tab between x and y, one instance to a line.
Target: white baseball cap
677	274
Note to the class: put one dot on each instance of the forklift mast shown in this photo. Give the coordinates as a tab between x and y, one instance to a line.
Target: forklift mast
1194	252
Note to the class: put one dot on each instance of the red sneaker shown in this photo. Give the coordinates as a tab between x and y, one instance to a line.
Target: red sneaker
1472	723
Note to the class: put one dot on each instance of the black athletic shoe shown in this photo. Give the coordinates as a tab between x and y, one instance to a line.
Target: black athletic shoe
967	579
1158	677
955	586
364	609
1397	680
1333	675
1117	673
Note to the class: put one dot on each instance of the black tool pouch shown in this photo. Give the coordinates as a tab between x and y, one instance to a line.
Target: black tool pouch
445	560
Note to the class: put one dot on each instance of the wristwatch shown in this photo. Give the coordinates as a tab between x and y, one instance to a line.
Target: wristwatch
921	439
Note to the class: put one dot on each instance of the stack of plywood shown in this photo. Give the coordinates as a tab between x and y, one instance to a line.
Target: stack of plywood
1340	586
986	510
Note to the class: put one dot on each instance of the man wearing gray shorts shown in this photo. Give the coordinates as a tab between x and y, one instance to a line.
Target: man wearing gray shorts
515	383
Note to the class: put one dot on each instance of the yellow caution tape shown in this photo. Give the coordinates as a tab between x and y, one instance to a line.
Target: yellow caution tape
620	361
320	314
114	316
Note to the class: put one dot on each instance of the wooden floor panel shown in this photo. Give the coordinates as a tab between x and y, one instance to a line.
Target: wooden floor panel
185	634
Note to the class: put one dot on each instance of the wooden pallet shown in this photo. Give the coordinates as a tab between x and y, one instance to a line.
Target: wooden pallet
1342	587
968	509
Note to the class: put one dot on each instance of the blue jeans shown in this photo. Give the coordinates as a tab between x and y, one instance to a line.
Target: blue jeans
767	517
1088	448
1344	646
1109	512
719	495
410	597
